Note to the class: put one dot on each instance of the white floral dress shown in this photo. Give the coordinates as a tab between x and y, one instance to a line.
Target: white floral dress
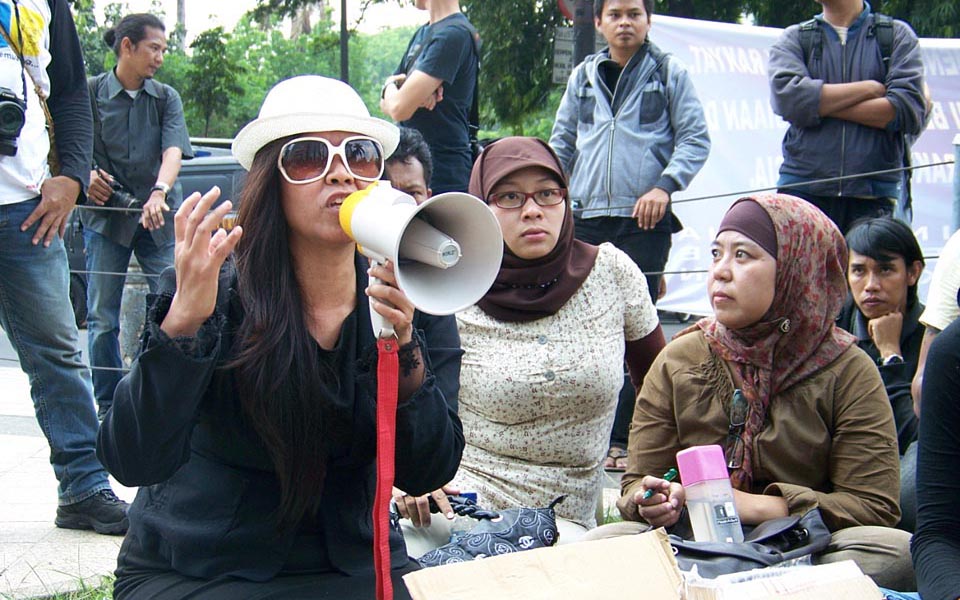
537	399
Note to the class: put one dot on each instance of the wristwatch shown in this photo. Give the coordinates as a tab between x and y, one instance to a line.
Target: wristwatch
893	359
383	90
160	187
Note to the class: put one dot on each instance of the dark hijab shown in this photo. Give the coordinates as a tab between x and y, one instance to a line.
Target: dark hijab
526	290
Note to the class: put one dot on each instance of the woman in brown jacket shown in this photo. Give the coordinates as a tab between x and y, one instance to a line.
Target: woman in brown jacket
818	429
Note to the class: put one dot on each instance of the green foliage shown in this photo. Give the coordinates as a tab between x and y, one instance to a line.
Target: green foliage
727	11
779	14
929	18
212	76
95	51
517	58
103	590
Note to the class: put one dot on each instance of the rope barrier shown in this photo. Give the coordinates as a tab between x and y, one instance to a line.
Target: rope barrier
577	211
776	187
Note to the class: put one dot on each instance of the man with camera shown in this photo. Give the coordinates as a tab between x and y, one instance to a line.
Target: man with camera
139	140
43	70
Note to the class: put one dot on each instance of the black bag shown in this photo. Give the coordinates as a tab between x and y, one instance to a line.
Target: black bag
769	543
511	530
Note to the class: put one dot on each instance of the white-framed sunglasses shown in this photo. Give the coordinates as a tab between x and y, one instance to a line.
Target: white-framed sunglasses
307	159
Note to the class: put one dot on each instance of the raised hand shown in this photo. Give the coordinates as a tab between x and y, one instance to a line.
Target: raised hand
201	247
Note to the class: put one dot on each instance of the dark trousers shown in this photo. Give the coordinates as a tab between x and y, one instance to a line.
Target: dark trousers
650	250
170	585
847	210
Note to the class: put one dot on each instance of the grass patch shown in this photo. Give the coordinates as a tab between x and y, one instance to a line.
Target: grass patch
101	591
609	511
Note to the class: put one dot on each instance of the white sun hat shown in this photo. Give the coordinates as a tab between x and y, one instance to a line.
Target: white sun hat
306	104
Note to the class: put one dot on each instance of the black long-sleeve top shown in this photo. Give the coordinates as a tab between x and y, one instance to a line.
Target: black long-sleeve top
896	377
69	101
936	543
208	486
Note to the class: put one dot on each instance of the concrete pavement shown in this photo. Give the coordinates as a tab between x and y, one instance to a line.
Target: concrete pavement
36	557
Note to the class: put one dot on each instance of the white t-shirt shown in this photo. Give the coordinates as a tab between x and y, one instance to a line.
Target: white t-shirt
22	174
841	33
941	306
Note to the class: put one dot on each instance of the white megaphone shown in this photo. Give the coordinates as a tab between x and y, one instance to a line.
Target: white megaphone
446	252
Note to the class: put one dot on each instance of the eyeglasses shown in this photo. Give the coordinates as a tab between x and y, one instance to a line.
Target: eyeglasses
308	159
510	200
738	417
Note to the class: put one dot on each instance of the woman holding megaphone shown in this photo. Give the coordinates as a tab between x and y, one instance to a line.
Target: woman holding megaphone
248	418
543	350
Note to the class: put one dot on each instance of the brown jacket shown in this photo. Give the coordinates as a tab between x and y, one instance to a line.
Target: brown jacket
829	442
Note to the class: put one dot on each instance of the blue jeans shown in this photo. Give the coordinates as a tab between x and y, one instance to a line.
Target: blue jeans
104	293
908	489
35	313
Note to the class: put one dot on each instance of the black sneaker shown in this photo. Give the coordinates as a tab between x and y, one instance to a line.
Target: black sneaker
102	512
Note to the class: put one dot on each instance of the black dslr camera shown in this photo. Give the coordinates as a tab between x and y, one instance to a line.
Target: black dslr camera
119	197
11	121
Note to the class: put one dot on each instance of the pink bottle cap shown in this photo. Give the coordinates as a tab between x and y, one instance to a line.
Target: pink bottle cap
702	463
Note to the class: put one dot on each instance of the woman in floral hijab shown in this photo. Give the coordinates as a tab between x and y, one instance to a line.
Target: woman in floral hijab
800	411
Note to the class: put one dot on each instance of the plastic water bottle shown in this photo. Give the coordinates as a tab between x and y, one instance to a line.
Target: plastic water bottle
462	523
713	513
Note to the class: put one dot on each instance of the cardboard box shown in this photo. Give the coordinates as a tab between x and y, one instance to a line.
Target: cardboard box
601	570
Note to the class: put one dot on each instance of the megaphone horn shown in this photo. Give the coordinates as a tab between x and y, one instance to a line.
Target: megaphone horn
446	252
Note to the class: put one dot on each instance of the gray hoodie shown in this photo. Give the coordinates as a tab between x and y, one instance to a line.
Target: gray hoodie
616	145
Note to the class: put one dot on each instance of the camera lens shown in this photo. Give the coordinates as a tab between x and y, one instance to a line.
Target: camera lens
11	119
121	198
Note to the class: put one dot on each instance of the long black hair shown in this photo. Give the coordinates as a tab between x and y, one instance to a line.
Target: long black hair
279	372
886	239
131	26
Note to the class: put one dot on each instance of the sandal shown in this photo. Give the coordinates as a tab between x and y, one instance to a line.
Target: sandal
616	459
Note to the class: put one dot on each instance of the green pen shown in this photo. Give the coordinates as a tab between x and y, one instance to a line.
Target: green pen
668	476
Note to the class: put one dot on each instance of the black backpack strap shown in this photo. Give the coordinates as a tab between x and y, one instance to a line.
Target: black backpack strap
94	85
473	126
161	102
811	41
411	59
883	29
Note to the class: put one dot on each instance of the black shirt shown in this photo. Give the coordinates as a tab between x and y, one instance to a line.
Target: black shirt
936	543
207	485
449	55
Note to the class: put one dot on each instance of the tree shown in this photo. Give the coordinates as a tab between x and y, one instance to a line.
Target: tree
727	11
212	76
179	34
95	51
929	18
517	57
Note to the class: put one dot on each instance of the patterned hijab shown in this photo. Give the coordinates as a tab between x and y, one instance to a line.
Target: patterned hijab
526	290
798	336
